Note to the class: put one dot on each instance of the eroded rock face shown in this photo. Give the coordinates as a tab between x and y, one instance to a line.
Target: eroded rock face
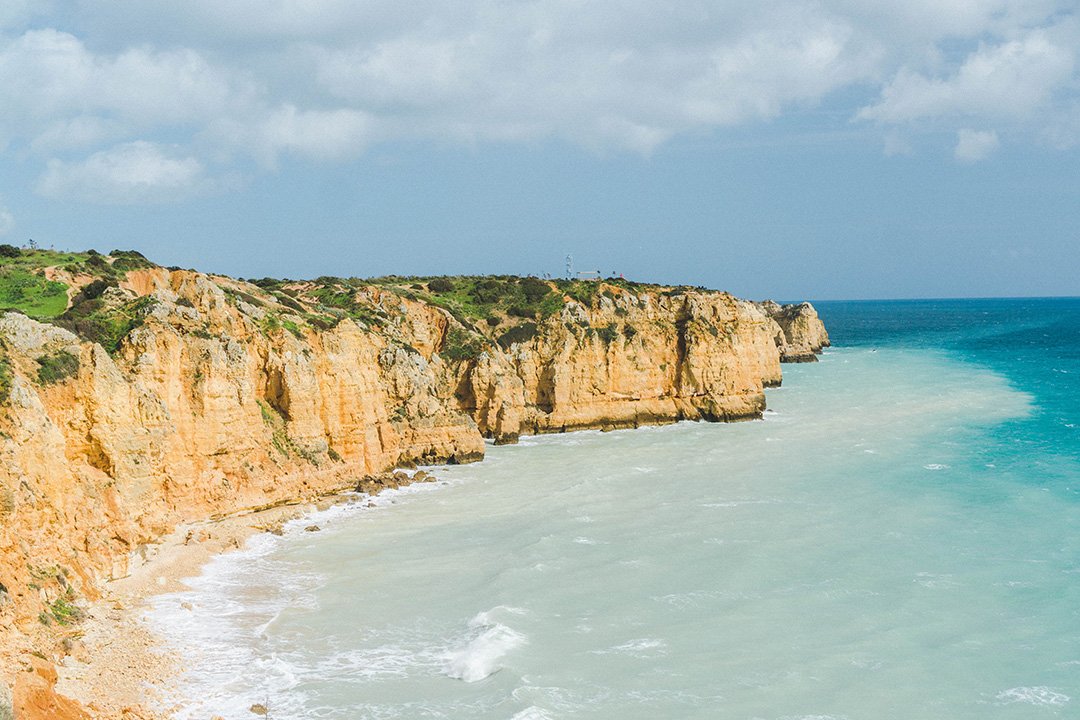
800	335
211	406
632	360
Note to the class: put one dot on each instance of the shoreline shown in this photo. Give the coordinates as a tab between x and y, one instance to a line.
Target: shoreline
120	667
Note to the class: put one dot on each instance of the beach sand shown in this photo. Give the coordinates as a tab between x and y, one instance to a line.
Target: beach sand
119	668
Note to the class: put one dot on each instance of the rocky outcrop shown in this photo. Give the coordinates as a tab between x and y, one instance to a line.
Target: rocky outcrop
220	399
799	332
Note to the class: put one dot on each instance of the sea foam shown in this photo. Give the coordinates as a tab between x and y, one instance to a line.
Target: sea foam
489	641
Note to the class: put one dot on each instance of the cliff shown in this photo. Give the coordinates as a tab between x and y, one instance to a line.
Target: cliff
164	396
800	334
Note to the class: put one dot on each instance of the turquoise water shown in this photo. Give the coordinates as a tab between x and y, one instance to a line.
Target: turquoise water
897	539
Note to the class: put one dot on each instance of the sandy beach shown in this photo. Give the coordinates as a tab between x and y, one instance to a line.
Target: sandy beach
119	668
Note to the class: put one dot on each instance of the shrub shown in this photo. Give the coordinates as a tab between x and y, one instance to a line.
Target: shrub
461	345
608	333
5	379
535	289
99	263
489	291
92	320
288	302
551	305
9	251
57	367
64	611
124	260
94	289
441	285
518	334
492	320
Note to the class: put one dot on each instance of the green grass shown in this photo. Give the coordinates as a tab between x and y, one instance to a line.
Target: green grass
34	259
30	293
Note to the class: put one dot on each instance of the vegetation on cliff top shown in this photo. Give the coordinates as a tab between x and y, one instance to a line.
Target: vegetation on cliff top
80	291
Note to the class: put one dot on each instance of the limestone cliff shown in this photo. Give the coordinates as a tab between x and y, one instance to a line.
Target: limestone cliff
176	396
799	332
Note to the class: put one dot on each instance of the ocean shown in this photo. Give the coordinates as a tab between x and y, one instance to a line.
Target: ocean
898	538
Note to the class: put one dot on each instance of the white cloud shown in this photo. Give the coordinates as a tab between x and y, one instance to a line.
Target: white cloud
975	145
631	78
204	88
318	134
1011	80
47	75
137	172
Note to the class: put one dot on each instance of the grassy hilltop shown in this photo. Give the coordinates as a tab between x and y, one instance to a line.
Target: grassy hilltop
81	291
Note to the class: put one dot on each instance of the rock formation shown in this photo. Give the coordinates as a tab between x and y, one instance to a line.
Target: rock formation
800	334
216	396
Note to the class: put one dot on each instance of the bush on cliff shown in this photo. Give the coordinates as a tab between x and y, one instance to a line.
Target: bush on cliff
103	323
535	289
461	345
6	378
441	285
124	260
518	334
608	333
57	367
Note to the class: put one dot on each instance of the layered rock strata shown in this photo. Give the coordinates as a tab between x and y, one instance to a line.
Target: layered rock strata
219	401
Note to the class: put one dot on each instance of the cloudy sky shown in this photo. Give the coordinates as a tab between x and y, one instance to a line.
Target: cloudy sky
828	149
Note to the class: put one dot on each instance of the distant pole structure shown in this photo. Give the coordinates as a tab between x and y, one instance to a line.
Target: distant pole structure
569	266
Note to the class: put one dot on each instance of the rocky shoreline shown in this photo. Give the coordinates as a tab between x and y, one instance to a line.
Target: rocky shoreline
222	397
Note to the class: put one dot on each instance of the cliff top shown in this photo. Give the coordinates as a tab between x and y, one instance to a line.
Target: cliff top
102	297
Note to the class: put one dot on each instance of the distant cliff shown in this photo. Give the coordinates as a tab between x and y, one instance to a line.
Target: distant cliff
149	397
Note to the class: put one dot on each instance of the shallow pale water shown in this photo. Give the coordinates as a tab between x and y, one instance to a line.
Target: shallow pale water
897	539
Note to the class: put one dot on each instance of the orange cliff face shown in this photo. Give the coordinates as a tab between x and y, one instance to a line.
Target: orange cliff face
221	399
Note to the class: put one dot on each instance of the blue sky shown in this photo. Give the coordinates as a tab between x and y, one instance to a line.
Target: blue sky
794	149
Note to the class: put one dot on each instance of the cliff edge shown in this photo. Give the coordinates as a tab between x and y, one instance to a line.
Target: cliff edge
143	397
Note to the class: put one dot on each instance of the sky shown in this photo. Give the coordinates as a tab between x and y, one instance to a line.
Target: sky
793	149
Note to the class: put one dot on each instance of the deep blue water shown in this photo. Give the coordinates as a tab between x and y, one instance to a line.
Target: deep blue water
1033	342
